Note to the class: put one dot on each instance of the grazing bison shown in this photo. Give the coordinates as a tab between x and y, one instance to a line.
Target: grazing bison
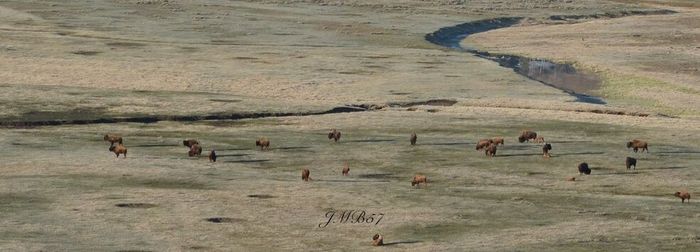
195	150
190	142
545	150
583	169
637	144
629	162
212	156
111	138
526	135
305	174
497	140
346	169
377	240
118	149
684	195
263	142
334	134
419	179
483	143
539	139
414	138
491	150
571	179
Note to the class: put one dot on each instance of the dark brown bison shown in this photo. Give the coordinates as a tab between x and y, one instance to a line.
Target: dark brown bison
526	135
629	162
118	149
491	150
419	179
195	150
545	150
112	138
638	144
583	169
498	140
263	142
190	142
212	156
305	174
334	134
483	143
346	169
414	138
684	195
377	240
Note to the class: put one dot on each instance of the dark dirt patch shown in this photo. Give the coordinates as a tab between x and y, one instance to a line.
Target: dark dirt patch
378	176
125	44
136	205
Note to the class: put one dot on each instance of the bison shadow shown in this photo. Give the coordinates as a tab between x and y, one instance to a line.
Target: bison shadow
232	155
400	242
248	161
667	168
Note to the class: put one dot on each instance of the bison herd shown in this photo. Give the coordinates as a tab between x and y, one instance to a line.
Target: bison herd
489	145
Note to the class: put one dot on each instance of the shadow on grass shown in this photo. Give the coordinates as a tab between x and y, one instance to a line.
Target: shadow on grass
666	168
232	155
248	161
400	242
378	176
154	145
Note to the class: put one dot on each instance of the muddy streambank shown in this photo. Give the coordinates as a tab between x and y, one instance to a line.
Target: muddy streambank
564	77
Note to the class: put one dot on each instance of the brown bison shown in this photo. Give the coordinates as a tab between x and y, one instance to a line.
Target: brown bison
539	139
498	140
483	143
305	174
629	162
377	240
419	179
263	142
212	156
414	138
638	144
190	142
346	169
334	134
583	169
111	138
195	150
526	135
684	195
545	150
571	179
491	150
118	149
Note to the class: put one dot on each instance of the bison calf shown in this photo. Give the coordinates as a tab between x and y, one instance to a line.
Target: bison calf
483	143
419	179
526	135
305	174
346	169
111	138
498	140
118	149
539	139
583	169
377	240
414	138
491	150
629	162
212	156
638	144
263	142
334	134
545	150
684	195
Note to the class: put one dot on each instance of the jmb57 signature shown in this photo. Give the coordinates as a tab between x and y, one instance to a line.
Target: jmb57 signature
351	216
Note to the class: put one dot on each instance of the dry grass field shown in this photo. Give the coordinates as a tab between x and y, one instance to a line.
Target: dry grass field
228	72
